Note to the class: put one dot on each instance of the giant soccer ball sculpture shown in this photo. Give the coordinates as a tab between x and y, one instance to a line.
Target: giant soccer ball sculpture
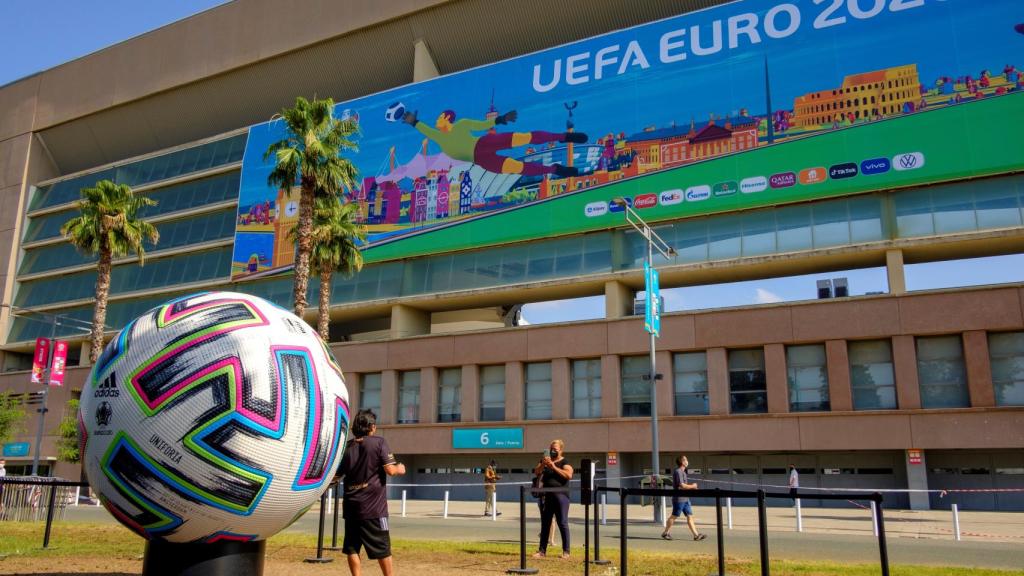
215	417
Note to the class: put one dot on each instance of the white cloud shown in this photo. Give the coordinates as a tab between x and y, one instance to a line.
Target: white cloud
766	297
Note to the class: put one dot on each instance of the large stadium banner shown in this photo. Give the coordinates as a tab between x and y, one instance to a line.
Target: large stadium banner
753	103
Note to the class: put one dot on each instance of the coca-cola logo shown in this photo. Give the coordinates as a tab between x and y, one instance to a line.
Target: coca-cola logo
645	201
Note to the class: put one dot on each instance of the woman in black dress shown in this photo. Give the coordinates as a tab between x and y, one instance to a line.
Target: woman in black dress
554	472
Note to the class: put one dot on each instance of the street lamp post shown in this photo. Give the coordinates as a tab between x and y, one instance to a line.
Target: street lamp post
653	242
53	320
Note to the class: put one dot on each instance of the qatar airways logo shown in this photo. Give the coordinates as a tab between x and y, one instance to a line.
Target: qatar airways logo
595	209
698	193
782	180
670	197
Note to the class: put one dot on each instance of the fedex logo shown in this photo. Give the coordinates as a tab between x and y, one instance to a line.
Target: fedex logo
670	197
645	201
595	209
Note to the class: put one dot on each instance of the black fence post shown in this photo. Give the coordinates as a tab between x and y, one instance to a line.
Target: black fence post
522	537
320	534
334	531
623	533
721	535
883	552
49	516
762	530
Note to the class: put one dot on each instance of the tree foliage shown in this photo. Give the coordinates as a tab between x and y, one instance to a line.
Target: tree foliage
108	225
310	156
12	415
67	434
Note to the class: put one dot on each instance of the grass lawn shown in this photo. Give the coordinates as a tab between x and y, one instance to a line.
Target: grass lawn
106	549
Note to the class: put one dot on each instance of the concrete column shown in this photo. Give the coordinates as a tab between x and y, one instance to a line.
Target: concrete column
561	389
428	395
718	381
83	360
894	272
407	321
979	369
471	393
618	300
515	394
352	384
904	360
666	390
840	395
423	67
776	379
388	397
611	386
917	479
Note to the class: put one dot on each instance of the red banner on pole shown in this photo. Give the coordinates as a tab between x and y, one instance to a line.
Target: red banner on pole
60	359
39	359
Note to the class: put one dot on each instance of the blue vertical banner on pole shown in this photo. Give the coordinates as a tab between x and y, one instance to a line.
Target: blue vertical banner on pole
652	315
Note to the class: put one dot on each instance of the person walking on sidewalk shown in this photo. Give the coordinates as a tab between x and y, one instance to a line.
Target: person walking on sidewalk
794	482
681	505
490	487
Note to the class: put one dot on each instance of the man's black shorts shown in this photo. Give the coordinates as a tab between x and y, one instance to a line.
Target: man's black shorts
373	534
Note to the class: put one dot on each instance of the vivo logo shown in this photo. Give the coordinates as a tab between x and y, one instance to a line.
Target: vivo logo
645	201
753	184
698	193
875	166
670	197
847	170
595	209
783	180
908	161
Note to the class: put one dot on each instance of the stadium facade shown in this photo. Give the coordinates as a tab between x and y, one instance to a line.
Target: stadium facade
899	390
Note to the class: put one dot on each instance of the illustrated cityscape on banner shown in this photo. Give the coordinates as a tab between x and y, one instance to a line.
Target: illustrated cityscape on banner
690	115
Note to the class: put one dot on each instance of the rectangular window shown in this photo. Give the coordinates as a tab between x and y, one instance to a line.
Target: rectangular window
586	388
449	395
409	397
1006	352
538	391
690	380
636	386
872	380
369	395
941	372
807	373
748	391
492	393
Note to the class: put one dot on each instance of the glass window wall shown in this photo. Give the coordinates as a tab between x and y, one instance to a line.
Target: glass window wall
636	386
449	395
492	394
409	397
538	391
690	380
369	393
872	379
941	372
748	391
1006	353
807	373
586	388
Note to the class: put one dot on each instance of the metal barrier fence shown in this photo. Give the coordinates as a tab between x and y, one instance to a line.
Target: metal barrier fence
27	499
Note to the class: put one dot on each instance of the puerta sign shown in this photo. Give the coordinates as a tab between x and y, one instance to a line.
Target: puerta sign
780	101
492	438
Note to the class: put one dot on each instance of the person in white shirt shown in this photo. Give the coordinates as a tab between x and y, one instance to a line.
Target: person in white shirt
3	473
794	481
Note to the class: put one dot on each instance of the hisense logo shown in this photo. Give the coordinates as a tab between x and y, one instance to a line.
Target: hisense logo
753	184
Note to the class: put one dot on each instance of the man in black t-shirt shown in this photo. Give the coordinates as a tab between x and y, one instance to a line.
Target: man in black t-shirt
367	463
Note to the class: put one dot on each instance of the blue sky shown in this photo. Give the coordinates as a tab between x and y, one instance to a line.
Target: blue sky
38	36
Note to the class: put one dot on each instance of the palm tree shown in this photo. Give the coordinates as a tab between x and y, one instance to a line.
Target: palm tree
108	225
336	237
310	156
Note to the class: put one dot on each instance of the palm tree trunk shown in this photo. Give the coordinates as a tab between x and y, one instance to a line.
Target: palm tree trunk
305	243
323	325
99	311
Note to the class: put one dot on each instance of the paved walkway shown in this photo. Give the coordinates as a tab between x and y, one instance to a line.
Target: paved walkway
989	539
